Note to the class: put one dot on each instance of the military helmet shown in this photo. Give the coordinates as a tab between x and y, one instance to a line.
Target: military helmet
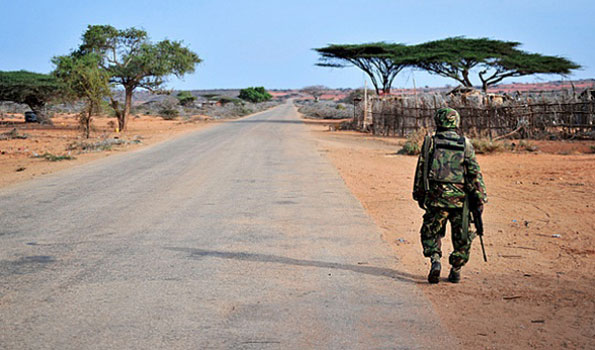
447	118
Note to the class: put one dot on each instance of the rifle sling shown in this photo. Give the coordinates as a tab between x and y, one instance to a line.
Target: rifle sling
466	215
426	153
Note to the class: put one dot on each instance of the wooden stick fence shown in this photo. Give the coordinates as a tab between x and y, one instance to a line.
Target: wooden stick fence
395	117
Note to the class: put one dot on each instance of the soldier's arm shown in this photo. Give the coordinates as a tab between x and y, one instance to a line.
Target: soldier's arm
475	185
418	186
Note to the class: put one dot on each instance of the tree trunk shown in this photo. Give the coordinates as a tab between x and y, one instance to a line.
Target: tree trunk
466	80
123	115
377	89
88	123
484	87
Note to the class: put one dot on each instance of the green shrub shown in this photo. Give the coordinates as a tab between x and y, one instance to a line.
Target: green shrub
226	99
185	98
53	158
412	145
255	94
169	113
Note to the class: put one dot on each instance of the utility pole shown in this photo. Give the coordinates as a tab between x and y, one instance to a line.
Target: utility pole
415	97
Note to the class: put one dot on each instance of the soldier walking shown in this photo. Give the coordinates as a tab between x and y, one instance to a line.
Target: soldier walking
448	185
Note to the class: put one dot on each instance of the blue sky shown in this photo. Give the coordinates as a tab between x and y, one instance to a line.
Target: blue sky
246	43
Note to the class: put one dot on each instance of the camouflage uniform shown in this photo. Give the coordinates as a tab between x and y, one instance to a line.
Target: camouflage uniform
453	174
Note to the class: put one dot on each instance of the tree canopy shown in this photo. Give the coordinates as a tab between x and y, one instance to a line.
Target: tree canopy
493	60
133	61
255	94
457	58
381	61
83	79
32	89
315	91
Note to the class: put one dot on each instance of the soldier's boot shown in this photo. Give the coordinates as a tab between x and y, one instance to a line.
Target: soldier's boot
434	275
455	275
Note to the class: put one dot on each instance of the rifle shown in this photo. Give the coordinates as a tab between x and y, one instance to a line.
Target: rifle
478	221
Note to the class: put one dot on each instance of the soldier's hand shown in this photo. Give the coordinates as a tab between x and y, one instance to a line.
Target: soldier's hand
479	208
476	205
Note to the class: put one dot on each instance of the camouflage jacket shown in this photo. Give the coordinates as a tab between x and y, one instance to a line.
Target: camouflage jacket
446	194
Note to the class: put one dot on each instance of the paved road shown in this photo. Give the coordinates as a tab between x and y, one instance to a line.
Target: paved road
240	236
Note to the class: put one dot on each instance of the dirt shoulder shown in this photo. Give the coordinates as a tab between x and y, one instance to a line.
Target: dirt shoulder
17	156
536	291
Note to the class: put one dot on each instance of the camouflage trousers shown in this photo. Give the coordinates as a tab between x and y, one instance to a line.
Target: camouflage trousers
434	229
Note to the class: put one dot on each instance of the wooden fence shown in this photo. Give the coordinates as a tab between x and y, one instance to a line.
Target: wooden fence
397	117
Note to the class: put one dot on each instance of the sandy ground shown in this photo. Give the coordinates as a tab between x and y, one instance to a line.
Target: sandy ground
537	289
16	156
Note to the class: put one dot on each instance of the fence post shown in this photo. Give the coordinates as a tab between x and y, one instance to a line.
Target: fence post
489	122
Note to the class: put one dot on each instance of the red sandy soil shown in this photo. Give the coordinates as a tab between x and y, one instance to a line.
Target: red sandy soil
537	290
17	163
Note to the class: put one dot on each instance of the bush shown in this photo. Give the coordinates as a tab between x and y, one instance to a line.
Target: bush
185	98
169	113
103	145
226	99
483	146
255	94
326	110
235	110
168	110
415	140
528	146
52	157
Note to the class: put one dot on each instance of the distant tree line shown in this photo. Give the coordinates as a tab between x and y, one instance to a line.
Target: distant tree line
457	58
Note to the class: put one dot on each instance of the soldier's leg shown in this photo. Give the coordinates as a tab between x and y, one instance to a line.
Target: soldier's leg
432	231
461	242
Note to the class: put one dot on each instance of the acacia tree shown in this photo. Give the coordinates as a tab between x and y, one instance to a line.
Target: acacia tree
494	60
83	79
32	89
133	61
522	63
315	91
381	61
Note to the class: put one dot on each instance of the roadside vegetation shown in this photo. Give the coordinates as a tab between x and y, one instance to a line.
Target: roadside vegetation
255	94
413	144
53	157
325	109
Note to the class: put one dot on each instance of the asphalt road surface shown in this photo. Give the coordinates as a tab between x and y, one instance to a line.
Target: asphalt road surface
239	236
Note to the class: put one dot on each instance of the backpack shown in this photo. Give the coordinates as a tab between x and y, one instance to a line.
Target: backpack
446	161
